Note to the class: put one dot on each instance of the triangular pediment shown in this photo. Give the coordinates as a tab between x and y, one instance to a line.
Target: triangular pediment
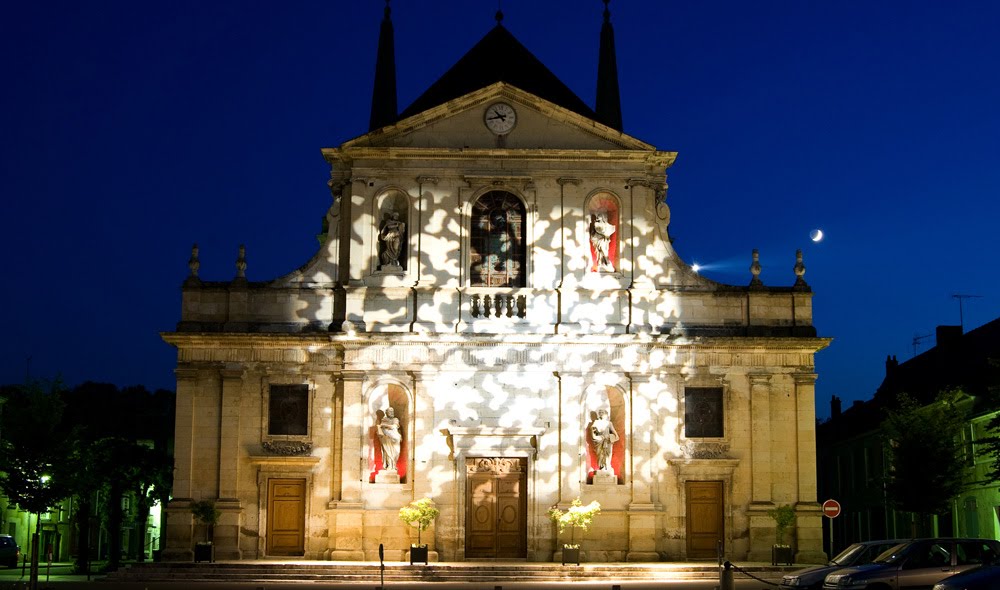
460	124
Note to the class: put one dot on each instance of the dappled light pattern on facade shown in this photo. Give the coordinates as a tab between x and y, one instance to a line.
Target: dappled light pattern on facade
527	303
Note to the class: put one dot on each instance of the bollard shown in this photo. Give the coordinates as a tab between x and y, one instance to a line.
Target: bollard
726	577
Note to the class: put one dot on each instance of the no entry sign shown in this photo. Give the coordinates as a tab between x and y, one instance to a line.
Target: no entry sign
831	509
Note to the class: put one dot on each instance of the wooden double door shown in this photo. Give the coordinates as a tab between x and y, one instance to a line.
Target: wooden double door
496	515
286	517
705	518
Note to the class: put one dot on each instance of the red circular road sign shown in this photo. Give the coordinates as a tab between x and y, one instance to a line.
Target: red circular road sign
831	509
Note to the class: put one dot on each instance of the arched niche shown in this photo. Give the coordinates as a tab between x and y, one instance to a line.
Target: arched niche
603	232
392	231
384	395
611	399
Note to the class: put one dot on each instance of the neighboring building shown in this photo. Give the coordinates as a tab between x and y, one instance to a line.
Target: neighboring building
852	458
496	278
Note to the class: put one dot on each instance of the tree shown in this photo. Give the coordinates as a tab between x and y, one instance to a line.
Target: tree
32	470
927	462
419	514
577	517
989	446
120	435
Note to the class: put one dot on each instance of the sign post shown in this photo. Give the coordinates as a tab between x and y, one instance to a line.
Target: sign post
831	510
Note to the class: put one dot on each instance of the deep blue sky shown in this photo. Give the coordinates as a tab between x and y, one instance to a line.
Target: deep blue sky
130	130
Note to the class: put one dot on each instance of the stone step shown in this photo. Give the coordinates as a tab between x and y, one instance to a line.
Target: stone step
462	572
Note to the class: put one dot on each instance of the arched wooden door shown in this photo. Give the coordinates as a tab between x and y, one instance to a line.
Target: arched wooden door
496	517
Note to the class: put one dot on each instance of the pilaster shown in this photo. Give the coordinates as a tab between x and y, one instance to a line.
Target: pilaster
572	469
229	432
809	519
345	517
760	438
761	525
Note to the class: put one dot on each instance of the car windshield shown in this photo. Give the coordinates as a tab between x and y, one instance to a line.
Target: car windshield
848	555
892	555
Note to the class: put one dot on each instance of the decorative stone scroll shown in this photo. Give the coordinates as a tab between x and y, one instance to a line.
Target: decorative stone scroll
495	465
287	448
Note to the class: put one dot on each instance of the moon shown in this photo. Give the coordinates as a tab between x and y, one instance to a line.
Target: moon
816	235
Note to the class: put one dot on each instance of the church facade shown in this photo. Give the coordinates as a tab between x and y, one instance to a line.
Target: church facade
496	321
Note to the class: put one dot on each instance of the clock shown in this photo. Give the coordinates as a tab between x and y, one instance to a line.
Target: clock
500	118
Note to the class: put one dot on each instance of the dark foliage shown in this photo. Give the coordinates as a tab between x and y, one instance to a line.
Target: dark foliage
927	461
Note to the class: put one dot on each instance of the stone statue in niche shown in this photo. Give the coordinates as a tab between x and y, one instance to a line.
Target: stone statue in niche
390	236
390	439
600	238
603	433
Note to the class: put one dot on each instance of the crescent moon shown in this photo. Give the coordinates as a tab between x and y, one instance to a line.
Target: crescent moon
816	235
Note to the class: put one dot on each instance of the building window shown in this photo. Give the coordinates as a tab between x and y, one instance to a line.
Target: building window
288	410
497	256
703	412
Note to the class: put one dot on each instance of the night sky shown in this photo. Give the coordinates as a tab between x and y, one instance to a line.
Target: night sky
130	130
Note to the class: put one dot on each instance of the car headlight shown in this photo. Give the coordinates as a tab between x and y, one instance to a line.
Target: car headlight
790	581
839	579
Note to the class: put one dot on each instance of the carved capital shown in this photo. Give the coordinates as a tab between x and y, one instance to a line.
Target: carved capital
804	379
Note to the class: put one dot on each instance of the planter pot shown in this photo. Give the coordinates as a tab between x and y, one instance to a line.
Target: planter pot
781	555
204	551
571	555
418	554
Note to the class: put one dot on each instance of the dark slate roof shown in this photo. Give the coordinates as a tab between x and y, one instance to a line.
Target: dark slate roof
966	361
499	57
957	360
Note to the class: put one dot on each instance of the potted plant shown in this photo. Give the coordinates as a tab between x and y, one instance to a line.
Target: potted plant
207	514
419	514
577	517
784	517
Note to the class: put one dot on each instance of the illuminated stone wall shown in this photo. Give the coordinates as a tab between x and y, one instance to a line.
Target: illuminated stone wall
515	372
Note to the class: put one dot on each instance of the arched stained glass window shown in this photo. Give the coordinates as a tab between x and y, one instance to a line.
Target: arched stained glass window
497	256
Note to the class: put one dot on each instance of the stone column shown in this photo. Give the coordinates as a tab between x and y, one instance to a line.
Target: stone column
227	531
572	450
761	525
347	516
179	521
760	438
809	519
640	428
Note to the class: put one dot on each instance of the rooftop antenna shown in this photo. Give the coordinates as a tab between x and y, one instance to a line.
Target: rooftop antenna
918	339
961	317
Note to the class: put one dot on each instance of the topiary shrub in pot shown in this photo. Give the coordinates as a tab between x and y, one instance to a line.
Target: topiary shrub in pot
207	514
784	517
419	514
577	516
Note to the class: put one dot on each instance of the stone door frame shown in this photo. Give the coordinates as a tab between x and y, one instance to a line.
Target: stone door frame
707	470
489	442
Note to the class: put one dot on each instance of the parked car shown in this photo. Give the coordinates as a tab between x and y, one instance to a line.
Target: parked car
920	563
861	553
983	578
10	553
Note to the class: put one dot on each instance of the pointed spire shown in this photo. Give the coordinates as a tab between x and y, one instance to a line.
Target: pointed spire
384	94
609	103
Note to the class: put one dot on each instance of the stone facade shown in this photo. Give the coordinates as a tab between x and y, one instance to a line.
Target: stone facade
496	348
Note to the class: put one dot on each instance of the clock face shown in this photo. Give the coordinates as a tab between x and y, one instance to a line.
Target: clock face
500	118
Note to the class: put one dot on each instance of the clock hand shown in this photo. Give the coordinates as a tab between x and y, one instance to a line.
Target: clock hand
496	116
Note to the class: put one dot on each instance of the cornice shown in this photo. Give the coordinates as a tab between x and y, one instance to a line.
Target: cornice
657	159
316	342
